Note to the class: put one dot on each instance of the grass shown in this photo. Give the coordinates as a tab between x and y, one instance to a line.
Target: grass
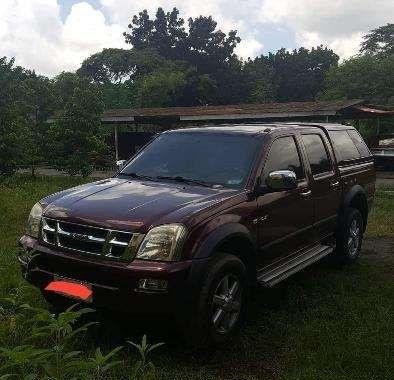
381	220
327	322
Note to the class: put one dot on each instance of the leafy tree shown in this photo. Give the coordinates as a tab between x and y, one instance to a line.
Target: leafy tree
260	79
77	134
202	46
162	88
166	34
379	41
119	65
25	101
299	75
367	77
208	48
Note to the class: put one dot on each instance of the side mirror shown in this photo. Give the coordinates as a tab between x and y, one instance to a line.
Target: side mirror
120	164
281	180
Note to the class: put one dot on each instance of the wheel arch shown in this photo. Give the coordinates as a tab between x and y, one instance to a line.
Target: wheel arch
233	238
356	198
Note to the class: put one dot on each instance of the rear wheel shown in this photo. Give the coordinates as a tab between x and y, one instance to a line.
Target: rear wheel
350	235
220	309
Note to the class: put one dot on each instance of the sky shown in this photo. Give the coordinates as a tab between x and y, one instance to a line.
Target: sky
51	36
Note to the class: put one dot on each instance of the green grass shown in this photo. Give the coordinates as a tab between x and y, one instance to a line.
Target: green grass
381	219
328	322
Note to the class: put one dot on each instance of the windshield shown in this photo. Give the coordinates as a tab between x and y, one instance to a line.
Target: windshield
210	158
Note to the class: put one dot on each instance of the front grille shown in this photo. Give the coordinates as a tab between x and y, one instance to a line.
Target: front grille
90	240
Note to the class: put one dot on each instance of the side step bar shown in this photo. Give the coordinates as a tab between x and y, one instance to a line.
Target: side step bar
277	272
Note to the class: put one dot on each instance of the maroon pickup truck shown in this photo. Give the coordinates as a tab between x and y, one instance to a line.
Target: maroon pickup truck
199	216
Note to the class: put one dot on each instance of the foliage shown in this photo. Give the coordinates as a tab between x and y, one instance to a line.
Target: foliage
48	352
77	134
379	41
119	65
145	349
171	62
24	102
363	77
201	45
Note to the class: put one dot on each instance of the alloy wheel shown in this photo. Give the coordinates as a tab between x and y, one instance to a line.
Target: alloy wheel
226	303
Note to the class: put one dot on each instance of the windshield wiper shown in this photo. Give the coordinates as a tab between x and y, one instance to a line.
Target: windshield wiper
179	178
138	176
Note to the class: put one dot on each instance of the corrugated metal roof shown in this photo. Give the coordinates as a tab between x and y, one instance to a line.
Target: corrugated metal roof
240	111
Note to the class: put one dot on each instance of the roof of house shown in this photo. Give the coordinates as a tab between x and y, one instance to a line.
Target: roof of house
232	112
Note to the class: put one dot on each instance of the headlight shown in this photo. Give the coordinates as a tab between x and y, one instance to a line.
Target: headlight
163	243
33	223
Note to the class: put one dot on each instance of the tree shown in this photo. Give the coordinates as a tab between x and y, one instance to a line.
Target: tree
299	75
119	65
366	77
25	101
160	89
77	134
202	46
166	34
207	48
260	78
379	41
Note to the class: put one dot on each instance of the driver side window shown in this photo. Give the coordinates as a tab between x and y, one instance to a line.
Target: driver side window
283	155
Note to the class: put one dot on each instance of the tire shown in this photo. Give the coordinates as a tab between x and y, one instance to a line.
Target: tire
350	235
219	310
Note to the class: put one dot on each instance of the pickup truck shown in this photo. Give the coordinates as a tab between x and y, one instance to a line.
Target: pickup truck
201	216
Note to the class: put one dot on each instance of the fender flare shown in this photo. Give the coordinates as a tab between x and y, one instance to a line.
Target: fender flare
220	235
355	191
206	250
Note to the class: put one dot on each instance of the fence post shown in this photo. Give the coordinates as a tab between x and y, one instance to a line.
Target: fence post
116	143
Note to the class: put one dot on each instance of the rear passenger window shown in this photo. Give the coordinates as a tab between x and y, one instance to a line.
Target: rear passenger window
317	154
344	146
360	144
283	155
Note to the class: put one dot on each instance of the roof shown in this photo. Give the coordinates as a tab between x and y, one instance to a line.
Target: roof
231	112
257	128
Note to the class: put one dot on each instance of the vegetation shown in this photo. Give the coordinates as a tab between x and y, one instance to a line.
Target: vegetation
171	62
328	322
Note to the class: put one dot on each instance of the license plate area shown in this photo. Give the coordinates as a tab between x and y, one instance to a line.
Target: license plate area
70	288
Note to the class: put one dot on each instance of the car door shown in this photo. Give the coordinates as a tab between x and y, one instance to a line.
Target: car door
325	185
284	217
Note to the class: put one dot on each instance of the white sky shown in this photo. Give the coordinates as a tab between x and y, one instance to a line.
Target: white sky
50	36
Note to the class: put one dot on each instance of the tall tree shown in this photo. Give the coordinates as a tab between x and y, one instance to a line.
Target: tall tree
77	134
368	77
379	41
119	65
260	80
166	33
202	46
299	75
25	102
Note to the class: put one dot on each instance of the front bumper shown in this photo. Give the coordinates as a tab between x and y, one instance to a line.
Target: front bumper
114	284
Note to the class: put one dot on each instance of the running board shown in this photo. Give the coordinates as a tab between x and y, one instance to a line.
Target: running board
277	272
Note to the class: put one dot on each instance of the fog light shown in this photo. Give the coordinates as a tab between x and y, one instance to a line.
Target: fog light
152	285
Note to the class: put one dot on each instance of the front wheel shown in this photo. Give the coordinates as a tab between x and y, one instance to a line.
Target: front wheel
220	309
350	235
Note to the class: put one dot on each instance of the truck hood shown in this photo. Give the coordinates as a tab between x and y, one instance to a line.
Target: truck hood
133	204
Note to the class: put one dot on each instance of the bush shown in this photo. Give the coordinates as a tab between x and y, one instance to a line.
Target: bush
48	352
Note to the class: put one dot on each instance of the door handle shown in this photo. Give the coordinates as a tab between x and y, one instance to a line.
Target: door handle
306	193
334	184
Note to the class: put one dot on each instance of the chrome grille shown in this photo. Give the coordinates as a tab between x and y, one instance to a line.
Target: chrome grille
90	240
